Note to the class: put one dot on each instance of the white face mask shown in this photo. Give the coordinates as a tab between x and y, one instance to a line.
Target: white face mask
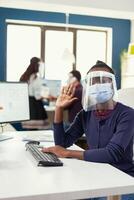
100	93
71	79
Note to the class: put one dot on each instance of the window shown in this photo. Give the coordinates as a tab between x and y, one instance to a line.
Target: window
51	43
91	46
23	43
56	43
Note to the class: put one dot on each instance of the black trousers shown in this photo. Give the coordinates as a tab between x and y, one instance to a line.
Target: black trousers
37	110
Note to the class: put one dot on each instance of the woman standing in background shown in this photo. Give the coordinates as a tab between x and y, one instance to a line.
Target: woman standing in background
37	110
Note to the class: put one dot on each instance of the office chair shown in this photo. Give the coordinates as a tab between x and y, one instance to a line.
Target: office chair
126	96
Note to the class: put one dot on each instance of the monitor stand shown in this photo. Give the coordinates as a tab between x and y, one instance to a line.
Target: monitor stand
3	135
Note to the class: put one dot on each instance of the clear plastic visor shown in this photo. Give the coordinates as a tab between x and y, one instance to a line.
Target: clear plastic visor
99	88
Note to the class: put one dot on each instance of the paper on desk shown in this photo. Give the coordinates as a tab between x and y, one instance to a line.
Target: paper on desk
41	136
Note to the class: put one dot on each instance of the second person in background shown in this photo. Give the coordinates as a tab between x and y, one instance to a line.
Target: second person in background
75	79
36	94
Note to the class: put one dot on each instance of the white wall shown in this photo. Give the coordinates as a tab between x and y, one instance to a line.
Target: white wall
120	9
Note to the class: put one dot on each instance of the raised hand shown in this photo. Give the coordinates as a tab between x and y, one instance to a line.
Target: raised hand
66	97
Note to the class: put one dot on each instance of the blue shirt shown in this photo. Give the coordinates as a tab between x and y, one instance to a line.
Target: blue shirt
110	140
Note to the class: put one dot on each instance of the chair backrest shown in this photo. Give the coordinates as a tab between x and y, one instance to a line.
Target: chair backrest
126	96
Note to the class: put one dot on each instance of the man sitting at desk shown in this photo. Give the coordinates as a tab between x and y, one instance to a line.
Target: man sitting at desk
107	124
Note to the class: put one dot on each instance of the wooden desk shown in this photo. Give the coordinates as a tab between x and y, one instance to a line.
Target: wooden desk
22	179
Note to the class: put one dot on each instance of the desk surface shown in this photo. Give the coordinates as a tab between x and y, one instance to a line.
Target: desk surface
21	178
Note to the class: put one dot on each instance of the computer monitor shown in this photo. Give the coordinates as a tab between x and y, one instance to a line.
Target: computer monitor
54	86
14	102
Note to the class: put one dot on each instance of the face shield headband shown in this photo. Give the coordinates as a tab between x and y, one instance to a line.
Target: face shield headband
98	88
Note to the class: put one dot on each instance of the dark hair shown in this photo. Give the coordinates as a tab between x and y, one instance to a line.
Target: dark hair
76	74
33	68
103	65
34	60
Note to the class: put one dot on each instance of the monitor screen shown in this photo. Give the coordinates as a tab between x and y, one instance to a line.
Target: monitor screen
54	87
14	102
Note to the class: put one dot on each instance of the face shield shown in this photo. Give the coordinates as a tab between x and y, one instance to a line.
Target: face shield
99	88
